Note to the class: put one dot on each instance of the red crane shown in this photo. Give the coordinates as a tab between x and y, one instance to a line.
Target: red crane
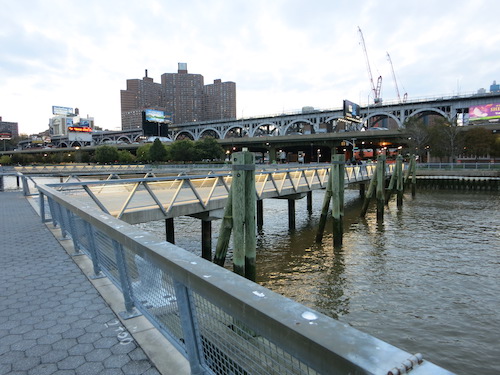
376	90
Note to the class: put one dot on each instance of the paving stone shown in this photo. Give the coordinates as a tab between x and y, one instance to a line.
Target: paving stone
52	319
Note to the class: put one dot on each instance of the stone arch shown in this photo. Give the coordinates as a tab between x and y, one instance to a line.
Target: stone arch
420	113
235	132
209	132
266	129
298	127
185	134
124	139
382	120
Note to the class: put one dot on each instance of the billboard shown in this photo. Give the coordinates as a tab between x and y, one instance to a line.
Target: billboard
484	112
153	115
155	123
352	111
63	111
5	135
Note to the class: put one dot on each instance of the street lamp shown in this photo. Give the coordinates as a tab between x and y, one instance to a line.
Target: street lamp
319	154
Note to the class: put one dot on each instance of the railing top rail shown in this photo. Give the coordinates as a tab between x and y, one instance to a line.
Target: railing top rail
184	177
321	342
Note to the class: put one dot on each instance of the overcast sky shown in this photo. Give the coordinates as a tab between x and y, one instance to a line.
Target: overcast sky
282	54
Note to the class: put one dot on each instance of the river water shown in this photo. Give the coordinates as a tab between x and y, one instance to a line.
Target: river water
426	280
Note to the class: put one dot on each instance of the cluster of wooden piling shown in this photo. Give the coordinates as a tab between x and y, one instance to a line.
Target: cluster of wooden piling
239	218
458	183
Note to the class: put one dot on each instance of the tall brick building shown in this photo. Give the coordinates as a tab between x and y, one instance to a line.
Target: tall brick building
182	93
9	128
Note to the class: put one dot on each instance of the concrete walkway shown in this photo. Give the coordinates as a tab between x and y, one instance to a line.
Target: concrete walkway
53	320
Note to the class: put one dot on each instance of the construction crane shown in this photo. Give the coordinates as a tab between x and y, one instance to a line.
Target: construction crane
405	96
376	90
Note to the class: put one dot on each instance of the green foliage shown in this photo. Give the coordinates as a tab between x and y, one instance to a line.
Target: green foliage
5	160
106	154
418	136
142	153
479	142
183	150
445	140
125	157
157	152
208	149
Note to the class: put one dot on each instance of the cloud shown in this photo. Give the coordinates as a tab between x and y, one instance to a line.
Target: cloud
282	54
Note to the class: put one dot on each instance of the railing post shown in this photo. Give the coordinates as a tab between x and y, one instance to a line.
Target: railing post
190	329
121	263
93	252
26	188
73	232
41	202
1	183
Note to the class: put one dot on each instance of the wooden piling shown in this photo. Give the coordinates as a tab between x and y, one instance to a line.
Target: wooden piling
238	189
380	194
338	172
291	214
206	239
170	230
325	207
414	177
309	202
260	213
399	180
250	208
369	194
243	213
225	232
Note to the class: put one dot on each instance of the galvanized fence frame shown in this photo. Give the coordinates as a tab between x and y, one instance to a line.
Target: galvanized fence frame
221	322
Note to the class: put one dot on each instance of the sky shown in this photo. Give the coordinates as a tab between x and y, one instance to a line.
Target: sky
282	54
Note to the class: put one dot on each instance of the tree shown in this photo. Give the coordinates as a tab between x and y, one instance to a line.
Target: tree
125	157
445	139
478	142
157	152
208	149
5	160
106	154
142	153
418	136
183	150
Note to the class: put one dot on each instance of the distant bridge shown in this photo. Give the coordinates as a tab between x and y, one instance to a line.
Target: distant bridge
390	115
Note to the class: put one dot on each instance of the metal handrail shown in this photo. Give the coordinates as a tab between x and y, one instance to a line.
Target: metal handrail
220	321
208	190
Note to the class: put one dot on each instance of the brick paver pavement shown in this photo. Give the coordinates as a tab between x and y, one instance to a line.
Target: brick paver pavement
52	319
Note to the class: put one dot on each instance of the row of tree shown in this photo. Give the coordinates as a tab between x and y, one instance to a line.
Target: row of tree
447	141
206	149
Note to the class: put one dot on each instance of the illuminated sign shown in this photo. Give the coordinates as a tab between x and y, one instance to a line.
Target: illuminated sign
484	112
56	110
153	115
352	111
81	129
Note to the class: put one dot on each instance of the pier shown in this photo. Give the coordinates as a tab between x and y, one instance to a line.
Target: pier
217	320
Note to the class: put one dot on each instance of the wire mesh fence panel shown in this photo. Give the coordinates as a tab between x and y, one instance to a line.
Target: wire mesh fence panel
106	255
231	347
154	294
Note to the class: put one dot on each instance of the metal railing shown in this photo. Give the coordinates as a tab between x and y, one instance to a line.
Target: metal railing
187	195
458	166
221	322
